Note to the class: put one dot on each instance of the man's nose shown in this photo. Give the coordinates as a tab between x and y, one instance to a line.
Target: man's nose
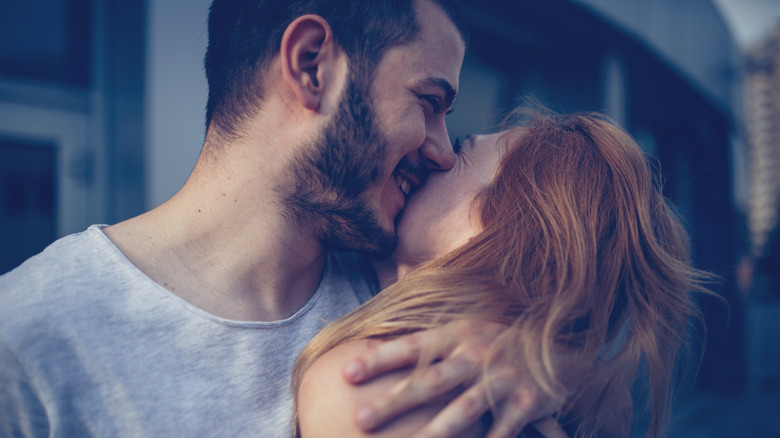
437	153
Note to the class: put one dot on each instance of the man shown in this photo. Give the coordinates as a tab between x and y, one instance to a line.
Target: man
322	117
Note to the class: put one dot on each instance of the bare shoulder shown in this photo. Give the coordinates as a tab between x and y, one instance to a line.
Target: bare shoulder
327	403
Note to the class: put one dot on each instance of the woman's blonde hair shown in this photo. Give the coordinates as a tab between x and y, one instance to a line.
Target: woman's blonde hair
580	255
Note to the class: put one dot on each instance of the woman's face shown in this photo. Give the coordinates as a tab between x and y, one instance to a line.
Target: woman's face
439	217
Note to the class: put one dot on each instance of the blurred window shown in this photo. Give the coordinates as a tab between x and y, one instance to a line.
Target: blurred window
27	201
47	40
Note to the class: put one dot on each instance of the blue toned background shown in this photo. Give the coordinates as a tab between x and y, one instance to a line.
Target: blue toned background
102	117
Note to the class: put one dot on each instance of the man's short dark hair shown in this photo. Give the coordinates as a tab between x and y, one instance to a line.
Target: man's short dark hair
244	35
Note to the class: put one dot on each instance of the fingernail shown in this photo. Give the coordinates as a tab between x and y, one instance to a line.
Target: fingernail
352	370
363	417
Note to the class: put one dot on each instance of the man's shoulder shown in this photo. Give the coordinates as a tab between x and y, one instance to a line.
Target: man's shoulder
67	258
62	276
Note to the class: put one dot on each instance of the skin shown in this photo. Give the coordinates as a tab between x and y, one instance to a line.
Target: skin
438	219
414	88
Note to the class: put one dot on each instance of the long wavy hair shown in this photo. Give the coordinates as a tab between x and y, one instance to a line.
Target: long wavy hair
580	256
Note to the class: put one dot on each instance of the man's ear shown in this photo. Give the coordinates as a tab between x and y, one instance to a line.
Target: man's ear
308	53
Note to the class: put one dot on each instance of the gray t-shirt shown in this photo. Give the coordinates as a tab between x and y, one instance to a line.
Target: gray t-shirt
90	346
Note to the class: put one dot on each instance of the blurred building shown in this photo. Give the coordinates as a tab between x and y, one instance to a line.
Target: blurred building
762	261
762	104
72	81
102	103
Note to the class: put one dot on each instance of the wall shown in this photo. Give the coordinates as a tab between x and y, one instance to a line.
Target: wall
175	94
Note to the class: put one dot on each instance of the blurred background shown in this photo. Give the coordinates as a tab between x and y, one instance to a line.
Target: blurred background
102	117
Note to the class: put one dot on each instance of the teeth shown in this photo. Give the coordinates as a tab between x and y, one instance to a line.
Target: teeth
403	184
405	187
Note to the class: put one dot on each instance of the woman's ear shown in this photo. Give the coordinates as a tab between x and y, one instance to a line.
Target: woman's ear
308	53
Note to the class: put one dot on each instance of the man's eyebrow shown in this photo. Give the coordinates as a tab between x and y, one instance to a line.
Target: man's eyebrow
449	91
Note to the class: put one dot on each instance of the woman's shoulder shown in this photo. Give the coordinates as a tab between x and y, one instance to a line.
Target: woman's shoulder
327	403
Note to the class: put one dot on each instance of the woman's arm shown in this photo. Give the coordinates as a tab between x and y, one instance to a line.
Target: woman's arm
327	403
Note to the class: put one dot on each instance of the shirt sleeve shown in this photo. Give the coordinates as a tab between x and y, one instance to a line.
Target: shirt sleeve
22	413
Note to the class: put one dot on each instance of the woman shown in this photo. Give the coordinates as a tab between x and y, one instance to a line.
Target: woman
558	230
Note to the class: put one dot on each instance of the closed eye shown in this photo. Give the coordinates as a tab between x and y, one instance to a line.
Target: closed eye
456	146
433	101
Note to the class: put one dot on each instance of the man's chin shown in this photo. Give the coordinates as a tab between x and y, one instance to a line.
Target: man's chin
381	244
370	239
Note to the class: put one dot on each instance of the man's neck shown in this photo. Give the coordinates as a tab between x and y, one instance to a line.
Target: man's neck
387	271
223	244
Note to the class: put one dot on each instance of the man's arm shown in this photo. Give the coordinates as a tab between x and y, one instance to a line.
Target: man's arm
462	348
21	411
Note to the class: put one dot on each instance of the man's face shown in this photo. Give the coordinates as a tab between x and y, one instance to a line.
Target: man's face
385	139
414	87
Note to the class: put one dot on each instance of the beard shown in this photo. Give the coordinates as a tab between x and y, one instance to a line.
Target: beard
328	194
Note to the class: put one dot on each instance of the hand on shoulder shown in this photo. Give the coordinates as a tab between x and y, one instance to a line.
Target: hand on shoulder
327	403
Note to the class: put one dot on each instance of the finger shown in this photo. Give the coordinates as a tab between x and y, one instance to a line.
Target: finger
523	405
434	381
466	410
405	351
391	355
550	428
